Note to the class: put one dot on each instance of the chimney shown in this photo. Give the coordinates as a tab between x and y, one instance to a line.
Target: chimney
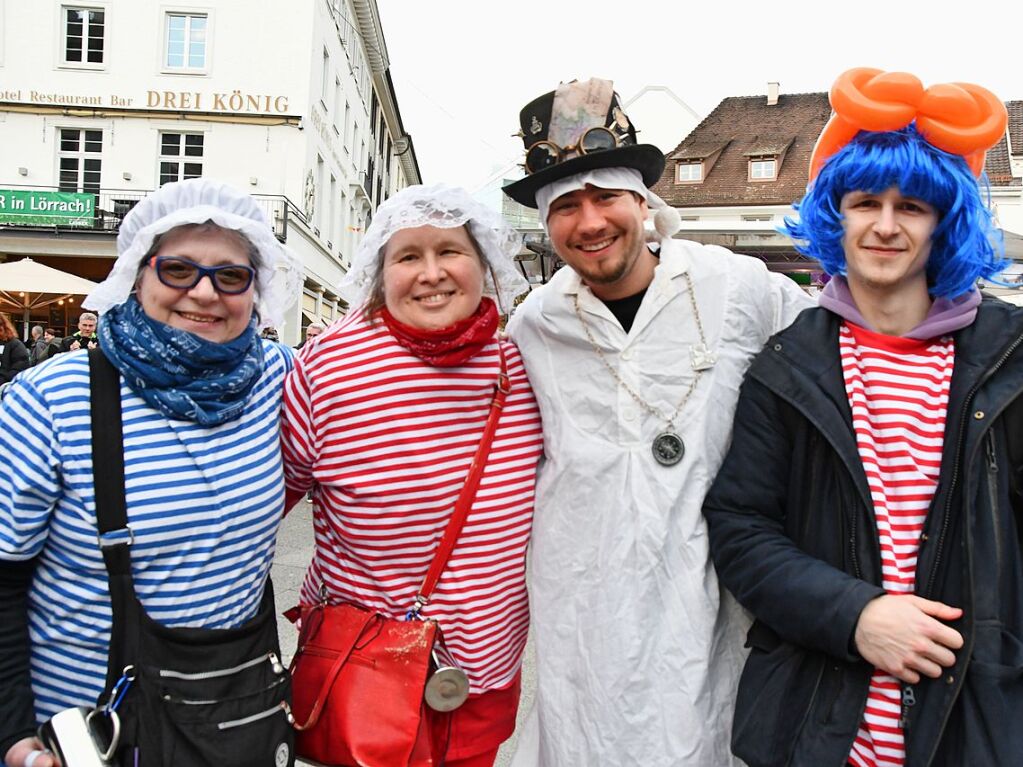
772	94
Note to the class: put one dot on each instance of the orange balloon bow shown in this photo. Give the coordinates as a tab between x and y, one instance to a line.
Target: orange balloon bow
958	118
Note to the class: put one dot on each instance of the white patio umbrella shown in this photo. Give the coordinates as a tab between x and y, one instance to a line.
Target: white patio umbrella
27	284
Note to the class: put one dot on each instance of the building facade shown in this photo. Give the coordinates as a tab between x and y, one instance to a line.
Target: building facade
102	102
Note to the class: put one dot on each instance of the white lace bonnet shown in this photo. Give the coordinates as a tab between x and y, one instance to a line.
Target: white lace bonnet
196	201
444	207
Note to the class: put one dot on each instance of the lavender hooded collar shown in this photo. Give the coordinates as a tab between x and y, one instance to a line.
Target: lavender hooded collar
946	315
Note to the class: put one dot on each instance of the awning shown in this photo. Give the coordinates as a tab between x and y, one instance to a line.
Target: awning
26	285
28	276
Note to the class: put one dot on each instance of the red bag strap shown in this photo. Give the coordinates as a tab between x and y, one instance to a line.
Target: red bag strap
468	494
308	632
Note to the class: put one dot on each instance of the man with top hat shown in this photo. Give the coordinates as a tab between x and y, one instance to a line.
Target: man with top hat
636	353
869	512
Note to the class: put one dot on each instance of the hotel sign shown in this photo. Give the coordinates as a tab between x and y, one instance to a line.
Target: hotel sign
235	102
37	208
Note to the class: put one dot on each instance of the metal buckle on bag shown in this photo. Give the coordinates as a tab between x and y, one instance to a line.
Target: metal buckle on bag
417	607
105	543
503	383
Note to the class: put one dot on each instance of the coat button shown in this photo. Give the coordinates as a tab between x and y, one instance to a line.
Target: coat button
979	415
923	537
777	347
950	679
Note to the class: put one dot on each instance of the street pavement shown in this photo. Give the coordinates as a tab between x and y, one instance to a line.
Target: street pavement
294	551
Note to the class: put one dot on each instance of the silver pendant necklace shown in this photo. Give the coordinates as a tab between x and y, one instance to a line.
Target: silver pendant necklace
667	447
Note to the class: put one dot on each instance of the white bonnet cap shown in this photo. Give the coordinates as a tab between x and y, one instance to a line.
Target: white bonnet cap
444	207
196	201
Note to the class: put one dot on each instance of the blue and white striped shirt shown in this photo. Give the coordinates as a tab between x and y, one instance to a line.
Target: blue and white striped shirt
204	505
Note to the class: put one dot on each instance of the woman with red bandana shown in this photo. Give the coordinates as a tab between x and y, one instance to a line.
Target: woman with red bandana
382	420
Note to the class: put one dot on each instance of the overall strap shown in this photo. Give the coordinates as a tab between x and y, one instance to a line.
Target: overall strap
108	460
468	494
115	537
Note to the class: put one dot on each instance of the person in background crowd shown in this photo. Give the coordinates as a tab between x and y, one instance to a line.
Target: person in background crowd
38	345
83	338
52	341
14	356
270	334
870	509
636	352
201	394
312	330
421	353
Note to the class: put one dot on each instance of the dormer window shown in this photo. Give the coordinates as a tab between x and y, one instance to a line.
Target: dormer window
763	168
694	162
690	172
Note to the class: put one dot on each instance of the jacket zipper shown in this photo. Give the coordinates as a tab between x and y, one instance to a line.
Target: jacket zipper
852	547
955	469
992	464
806	714
271	657
908	701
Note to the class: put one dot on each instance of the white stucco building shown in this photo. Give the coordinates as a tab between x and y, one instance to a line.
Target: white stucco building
106	100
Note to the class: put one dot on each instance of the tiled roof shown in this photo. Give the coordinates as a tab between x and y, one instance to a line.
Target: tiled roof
1015	126
997	165
762	146
746	126
749	127
698	150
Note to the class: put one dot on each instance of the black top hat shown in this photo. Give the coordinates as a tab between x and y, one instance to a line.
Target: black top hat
536	120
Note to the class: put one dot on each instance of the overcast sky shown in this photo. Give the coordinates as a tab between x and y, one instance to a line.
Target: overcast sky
463	69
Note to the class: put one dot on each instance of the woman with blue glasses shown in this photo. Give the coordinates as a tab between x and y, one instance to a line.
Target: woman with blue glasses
198	394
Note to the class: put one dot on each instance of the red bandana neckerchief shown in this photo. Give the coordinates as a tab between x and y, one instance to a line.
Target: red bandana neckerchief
448	346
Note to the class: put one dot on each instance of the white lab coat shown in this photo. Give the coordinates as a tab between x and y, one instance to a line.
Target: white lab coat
639	648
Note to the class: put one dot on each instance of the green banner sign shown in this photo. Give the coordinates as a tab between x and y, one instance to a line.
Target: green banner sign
37	208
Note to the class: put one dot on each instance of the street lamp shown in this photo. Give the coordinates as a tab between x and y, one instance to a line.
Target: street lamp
540	256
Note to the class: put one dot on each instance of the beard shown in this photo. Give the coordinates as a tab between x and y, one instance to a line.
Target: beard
613	268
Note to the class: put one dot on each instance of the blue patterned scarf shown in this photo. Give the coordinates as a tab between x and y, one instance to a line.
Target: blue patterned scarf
180	374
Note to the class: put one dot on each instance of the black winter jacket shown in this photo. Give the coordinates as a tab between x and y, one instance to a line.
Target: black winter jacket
793	537
13	359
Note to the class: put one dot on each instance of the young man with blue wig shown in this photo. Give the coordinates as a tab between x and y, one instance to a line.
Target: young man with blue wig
878	542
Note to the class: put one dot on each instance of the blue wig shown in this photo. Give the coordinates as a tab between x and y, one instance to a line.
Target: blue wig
965	244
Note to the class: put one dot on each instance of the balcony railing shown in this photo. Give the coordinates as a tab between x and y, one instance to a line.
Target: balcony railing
112	205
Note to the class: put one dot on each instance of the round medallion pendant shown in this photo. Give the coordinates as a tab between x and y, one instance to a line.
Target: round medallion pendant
446	689
668	448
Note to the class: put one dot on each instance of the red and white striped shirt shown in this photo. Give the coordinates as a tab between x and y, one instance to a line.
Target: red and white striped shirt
898	392
387	440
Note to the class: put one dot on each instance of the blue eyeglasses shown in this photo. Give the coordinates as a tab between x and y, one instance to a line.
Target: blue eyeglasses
180	273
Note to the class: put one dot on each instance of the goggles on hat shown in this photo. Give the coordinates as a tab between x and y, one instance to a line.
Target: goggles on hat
546	154
183	274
